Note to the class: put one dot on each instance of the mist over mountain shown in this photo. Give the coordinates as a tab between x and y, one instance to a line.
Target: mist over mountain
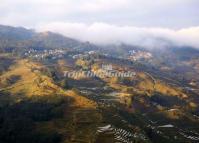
21	38
118	36
102	34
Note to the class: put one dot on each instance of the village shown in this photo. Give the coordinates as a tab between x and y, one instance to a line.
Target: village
136	55
55	54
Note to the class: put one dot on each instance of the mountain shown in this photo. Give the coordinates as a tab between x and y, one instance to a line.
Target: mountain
15	33
17	38
46	97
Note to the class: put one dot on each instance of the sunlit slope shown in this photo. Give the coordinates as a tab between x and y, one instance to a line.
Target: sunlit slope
25	77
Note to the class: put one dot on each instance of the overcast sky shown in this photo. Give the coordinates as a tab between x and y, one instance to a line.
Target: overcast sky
108	21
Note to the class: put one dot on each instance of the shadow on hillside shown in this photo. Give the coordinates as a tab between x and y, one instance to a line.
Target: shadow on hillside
167	100
5	63
18	117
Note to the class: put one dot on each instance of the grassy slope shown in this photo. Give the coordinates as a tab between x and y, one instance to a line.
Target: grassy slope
33	84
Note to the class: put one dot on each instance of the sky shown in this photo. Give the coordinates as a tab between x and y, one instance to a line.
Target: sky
136	22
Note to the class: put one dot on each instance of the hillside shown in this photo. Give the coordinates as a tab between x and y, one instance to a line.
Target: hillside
41	103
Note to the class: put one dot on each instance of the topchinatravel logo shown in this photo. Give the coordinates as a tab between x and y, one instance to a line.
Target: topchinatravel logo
104	71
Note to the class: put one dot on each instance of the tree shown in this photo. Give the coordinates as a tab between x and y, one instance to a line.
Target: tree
64	84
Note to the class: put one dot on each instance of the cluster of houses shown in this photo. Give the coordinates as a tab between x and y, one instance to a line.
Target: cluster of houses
54	54
38	54
85	55
139	55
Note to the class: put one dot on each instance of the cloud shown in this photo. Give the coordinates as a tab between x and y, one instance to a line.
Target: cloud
102	33
102	5
163	13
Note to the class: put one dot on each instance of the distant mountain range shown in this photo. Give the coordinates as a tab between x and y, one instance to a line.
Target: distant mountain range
179	60
19	39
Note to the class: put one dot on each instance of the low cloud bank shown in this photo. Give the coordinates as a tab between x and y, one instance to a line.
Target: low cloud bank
102	33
